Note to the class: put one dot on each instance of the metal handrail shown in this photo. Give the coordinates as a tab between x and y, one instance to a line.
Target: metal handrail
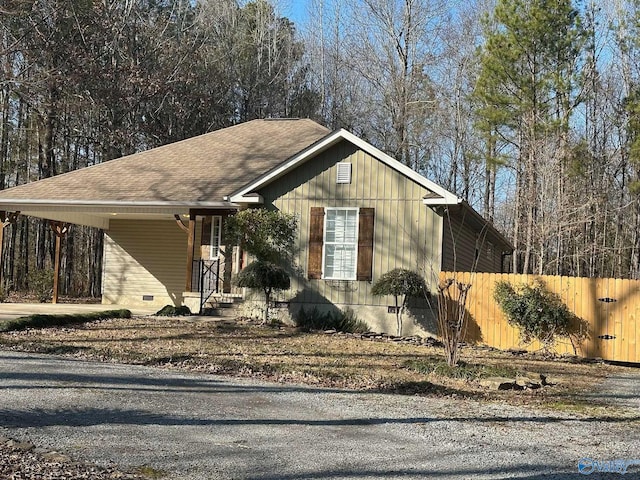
206	279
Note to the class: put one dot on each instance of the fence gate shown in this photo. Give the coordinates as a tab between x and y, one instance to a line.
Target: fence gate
609	309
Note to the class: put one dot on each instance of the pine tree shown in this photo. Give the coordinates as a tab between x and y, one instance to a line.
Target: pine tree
526	92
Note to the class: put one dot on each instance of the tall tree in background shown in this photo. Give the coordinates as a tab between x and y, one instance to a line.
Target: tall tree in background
345	100
526	86
85	82
372	65
454	141
393	43
628	31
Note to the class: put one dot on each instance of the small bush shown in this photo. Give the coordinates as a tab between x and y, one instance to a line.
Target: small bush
3	294
402	284
399	282
342	321
172	311
265	276
44	321
536	312
41	284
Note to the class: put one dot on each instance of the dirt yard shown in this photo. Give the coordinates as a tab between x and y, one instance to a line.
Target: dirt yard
285	354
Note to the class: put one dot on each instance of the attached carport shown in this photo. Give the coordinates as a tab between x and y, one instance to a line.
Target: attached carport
100	214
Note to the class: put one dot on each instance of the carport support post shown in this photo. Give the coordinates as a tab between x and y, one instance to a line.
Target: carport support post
59	229
6	219
191	232
3	217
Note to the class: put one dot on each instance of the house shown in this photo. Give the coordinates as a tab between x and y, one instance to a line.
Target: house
361	213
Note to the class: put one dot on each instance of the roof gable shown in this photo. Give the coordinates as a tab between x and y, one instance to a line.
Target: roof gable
247	194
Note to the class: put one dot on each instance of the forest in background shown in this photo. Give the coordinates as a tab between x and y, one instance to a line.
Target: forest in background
529	110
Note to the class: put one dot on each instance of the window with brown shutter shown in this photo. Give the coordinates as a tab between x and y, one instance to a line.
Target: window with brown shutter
329	262
365	244
316	233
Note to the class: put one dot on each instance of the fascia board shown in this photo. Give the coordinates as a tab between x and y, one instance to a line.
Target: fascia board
90	204
97	213
441	201
76	218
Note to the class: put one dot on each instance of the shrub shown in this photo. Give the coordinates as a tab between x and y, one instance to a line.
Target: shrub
342	321
452	316
536	312
265	276
268	235
172	311
44	321
402	284
41	284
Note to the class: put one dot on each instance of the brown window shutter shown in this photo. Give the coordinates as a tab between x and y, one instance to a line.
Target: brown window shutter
365	244
316	233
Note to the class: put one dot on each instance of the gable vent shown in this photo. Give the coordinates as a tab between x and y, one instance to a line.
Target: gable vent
343	172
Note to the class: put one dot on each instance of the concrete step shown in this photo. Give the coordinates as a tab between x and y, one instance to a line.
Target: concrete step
219	312
222	306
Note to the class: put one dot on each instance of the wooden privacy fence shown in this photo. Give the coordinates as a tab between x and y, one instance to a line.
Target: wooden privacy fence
608	308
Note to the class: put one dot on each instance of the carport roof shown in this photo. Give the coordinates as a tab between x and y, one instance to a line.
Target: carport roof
195	173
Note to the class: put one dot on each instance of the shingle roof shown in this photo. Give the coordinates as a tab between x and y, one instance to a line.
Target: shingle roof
199	169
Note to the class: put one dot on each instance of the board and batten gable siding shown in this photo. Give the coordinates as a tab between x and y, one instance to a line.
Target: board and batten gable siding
460	242
145	257
406	232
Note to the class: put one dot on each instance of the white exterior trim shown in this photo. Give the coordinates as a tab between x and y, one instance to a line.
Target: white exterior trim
216	223
91	204
243	195
440	201
324	242
99	213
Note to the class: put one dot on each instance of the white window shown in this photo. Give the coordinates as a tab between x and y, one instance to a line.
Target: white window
340	252
216	230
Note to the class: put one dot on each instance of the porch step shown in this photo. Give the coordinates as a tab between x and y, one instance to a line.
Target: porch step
222	306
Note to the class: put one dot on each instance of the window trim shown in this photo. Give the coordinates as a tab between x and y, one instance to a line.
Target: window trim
355	243
214	248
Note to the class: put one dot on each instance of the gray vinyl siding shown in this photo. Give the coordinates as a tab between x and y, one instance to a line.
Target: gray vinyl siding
144	257
406	232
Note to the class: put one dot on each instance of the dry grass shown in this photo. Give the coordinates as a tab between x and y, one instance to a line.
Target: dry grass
288	355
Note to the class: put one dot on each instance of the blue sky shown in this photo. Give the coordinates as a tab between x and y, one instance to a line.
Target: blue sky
295	10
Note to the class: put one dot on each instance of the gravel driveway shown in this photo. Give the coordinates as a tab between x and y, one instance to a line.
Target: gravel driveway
209	427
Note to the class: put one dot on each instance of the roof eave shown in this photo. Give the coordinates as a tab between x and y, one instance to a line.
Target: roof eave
98	213
448	200
249	199
488	224
17	204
